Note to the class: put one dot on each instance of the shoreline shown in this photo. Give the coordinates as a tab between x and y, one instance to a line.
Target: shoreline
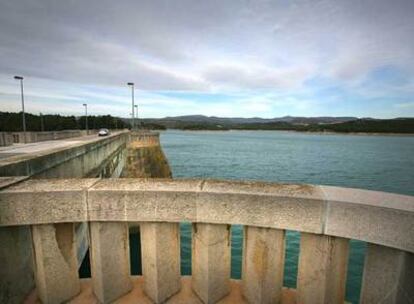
304	132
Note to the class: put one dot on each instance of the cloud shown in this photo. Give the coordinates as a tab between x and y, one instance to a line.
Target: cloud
232	47
237	76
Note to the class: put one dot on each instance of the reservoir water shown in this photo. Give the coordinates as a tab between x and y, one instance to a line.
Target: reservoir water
384	163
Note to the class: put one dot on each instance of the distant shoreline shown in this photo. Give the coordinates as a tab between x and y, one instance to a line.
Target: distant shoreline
304	132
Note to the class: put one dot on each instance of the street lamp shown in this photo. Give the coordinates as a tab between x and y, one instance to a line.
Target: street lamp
24	118
136	116
86	117
42	124
131	84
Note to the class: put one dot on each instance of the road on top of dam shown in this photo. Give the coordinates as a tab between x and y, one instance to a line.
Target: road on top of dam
42	146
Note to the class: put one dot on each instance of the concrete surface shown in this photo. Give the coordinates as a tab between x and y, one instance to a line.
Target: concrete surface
56	266
185	296
109	260
322	269
210	262
388	276
74	157
278	206
160	254
263	264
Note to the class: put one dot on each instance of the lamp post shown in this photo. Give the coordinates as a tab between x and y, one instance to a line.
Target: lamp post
136	116
42	124
22	95
86	117
131	84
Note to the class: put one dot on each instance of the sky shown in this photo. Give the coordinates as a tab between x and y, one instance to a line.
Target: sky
217	58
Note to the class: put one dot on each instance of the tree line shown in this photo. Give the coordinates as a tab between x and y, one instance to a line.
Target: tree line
12	122
398	125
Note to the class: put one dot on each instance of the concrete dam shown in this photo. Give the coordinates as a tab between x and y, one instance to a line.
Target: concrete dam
61	199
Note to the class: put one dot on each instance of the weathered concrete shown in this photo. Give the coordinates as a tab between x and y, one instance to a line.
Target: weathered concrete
149	204
145	157
263	264
36	136
7	181
160	251
388	276
322	269
6	139
74	158
16	268
40	202
211	262
276	206
371	216
322	258
185	296
56	266
160	242
109	258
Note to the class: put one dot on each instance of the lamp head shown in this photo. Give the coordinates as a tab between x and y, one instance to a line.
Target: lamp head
18	77
130	83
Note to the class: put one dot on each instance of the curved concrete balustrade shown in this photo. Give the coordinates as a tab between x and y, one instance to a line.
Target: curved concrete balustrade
376	217
327	218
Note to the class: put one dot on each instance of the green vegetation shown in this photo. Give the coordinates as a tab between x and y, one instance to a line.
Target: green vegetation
201	126
13	122
152	126
398	125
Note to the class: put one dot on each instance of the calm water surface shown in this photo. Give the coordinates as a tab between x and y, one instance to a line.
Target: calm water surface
382	163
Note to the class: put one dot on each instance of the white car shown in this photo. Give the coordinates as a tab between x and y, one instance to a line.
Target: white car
103	132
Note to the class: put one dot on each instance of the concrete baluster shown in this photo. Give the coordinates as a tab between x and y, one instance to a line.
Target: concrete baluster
322	269
160	243
56	266
388	276
109	258
263	264
16	264
211	261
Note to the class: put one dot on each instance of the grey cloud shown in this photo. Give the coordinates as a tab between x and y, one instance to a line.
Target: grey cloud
237	76
199	45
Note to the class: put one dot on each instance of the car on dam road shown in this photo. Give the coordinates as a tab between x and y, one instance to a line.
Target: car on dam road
103	132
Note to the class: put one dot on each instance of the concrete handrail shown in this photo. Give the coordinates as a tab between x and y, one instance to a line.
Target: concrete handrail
376	217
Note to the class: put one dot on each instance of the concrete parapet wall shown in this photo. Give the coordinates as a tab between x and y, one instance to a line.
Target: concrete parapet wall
265	209
6	139
31	137
218	202
77	160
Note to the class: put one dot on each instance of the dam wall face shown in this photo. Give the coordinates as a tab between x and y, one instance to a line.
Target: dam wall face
82	159
144	157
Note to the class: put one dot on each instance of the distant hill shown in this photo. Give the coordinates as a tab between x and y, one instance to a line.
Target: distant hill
185	121
309	124
12	122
